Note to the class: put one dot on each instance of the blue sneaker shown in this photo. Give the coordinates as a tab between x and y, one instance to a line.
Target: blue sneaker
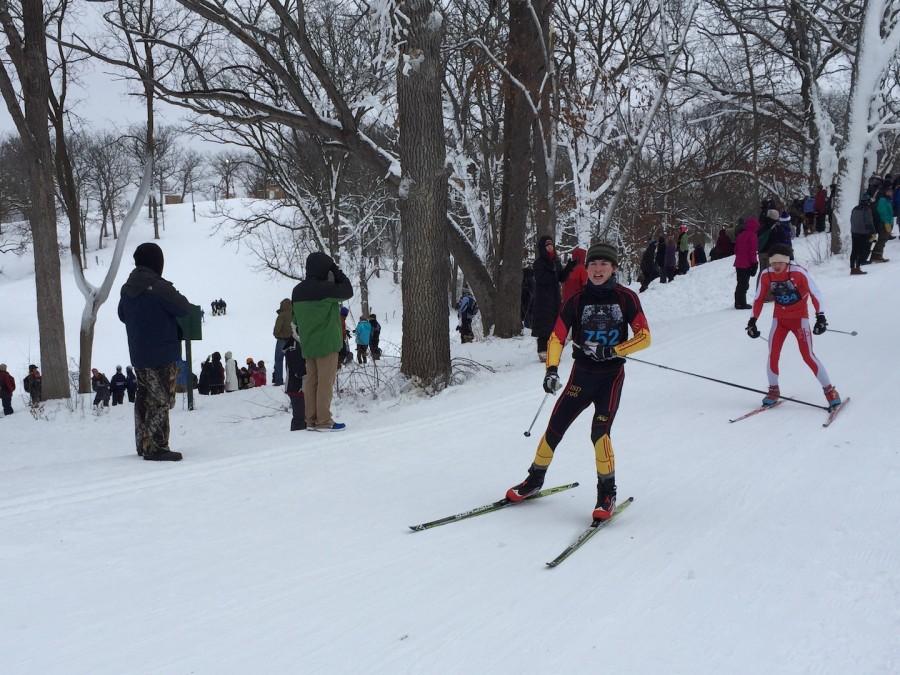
337	426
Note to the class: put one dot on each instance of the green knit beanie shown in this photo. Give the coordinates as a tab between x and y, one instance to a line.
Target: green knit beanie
602	251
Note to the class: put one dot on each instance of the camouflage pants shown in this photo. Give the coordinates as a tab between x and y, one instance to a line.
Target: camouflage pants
155	396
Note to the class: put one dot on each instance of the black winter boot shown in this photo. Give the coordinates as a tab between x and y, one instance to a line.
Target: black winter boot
163	456
298	407
606	497
529	486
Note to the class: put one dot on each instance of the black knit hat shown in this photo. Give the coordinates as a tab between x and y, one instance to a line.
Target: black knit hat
780	249
602	251
149	255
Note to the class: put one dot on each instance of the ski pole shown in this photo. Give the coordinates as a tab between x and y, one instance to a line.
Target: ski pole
725	382
543	401
842	332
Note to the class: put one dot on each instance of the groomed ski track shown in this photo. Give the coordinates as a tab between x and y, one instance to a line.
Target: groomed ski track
768	546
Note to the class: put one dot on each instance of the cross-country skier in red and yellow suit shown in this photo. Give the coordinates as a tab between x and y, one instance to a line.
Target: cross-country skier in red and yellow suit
791	285
599	317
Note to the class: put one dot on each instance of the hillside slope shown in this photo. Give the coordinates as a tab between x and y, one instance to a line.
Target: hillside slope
764	546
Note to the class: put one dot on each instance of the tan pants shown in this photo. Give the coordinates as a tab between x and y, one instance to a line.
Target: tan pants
318	387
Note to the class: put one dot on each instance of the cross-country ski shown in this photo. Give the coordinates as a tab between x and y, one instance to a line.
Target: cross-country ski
756	411
488	508
589	532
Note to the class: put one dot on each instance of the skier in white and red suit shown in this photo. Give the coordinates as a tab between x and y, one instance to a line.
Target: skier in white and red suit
791	285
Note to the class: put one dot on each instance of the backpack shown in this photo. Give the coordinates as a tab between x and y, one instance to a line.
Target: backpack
26	384
468	306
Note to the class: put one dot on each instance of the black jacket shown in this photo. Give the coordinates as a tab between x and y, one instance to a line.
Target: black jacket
648	261
548	275
118	382
317	286
661	253
148	307
99	383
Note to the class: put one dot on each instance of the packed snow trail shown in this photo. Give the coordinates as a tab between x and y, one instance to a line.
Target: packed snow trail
764	546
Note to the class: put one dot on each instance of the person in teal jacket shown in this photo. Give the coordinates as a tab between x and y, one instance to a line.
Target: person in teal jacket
884	216
363	335
317	315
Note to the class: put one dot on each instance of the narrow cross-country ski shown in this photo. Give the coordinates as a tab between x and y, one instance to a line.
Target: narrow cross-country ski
488	508
595	527
832	414
756	411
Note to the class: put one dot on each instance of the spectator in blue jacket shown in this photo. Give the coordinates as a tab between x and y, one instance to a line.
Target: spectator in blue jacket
363	335
130	383
117	385
149	306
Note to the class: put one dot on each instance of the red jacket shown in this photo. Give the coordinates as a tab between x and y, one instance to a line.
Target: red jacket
820	201
745	245
791	289
7	383
577	277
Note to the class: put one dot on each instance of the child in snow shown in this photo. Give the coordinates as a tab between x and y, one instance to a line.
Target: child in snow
117	386
375	337
466	309
791	285
100	385
259	375
296	369
33	384
130	383
7	387
363	335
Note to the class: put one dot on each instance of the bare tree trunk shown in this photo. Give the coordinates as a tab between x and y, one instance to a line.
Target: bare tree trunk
112	218
454	284
153	210
54	362
29	55
423	203
524	61
544	138
363	280
86	348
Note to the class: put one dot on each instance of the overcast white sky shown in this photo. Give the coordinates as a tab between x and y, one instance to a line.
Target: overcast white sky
100	96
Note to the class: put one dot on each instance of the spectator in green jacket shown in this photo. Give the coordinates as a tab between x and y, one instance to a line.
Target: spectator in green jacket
317	301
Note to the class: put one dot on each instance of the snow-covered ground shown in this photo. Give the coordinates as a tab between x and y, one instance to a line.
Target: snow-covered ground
768	546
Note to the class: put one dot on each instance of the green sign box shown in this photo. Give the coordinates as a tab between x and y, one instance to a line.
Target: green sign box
191	325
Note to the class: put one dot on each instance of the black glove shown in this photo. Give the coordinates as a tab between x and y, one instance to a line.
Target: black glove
551	381
606	353
751	328
821	324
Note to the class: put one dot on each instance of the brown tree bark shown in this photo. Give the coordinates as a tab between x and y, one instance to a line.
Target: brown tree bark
28	53
542	126
524	61
423	199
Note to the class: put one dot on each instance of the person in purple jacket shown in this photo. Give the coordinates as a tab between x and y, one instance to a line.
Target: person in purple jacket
745	259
